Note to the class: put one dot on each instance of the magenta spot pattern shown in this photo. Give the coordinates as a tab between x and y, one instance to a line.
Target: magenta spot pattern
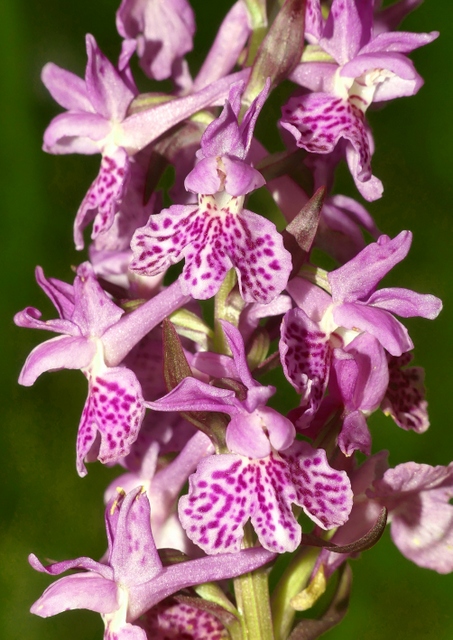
324	493
212	240
306	354
172	620
111	418
319	120
227	490
405	396
102	200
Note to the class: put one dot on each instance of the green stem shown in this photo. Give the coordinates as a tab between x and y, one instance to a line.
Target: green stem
223	312
292	582
252	600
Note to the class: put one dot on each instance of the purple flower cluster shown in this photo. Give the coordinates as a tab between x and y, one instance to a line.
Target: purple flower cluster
175	395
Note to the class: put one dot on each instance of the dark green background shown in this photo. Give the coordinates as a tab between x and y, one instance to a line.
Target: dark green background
45	507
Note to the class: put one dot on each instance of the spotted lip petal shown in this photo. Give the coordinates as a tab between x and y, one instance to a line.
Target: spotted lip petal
111	418
324	493
102	200
176	618
369	67
213	239
319	120
404	399
229	489
306	354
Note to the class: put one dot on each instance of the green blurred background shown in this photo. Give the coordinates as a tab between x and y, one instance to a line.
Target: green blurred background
45	507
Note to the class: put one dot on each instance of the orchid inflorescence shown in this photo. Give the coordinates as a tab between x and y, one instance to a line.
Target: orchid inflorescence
217	481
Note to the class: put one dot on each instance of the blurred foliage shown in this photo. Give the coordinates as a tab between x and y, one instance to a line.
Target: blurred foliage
46	508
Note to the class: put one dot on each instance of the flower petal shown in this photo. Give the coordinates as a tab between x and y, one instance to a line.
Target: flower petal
213	239
406	303
417	496
62	352
78	563
66	88
392	335
102	199
164	32
323	493
134	557
404	399
109	94
79	591
358	279
399	41
229	489
306	354
173	619
354	435
193	395
220	499
72	132
115	409
347	29
94	311
228	44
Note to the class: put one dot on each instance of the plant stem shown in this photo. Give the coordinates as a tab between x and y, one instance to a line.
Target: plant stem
292	582
252	600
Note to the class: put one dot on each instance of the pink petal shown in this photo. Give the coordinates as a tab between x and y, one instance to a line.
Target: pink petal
109	94
114	409
418	497
404	399
62	352
66	88
79	591
134	557
102	200
306	354
73	132
354	435
323	493
220	500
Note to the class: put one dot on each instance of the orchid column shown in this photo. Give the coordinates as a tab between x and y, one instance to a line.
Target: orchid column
176	390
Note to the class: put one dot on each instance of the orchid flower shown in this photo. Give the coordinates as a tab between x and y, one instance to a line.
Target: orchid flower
92	325
265	471
133	579
218	233
362	68
98	121
323	322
